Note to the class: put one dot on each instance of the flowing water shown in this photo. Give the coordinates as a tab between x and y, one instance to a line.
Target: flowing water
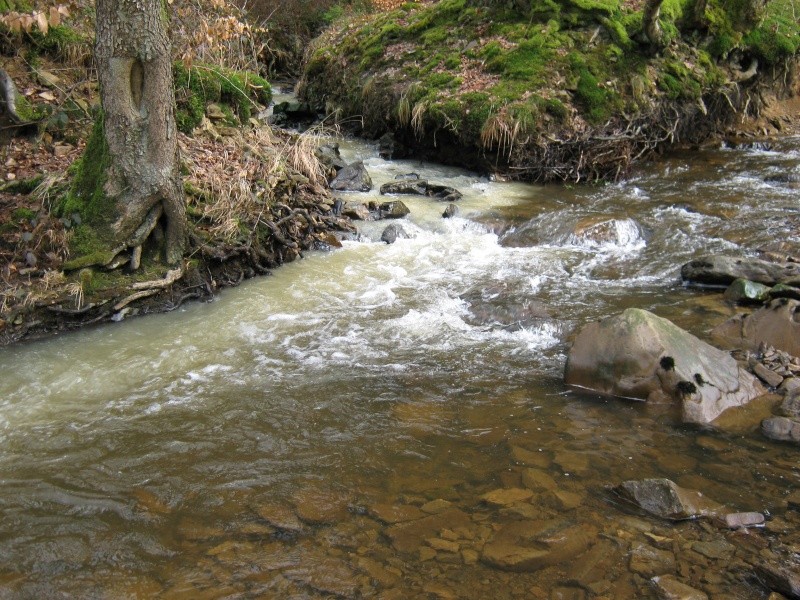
330	431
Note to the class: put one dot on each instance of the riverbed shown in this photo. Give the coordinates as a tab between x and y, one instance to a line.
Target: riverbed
333	430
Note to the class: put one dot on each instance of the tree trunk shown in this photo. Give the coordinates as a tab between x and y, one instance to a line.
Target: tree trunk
143	183
652	28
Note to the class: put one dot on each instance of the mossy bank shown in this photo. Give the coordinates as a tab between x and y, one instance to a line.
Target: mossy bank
567	90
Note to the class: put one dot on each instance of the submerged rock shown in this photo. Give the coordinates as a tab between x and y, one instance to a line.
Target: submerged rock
450	212
785	427
777	324
667	500
641	356
724	270
352	178
669	587
530	545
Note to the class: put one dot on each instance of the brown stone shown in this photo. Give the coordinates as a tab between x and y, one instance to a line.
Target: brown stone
537	480
506	496
393	513
669	587
648	561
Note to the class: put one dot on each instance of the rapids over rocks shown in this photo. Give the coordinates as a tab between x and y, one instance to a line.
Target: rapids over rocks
390	420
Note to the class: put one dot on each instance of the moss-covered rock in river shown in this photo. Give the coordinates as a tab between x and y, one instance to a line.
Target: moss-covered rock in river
555	90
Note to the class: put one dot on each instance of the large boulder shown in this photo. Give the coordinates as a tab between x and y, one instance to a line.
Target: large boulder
641	356
421	187
777	324
352	178
724	270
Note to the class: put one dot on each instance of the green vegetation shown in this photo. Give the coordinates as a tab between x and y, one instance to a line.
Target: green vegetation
236	92
485	74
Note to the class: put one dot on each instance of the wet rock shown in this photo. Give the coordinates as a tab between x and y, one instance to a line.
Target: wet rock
742	520
436	506
393	233
352	178
530	545
789	385
667	500
724	270
648	561
444	545
421	187
329	156
597	231
568	593
408	537
538	481
669	587
451	211
407	176
357	212
506	496
743	291
393	513
782	429
394	210
714	549
641	356
280	517
317	506
529	458
409	186
771	378
780	578
497	306
329	576
378	572
784	291
777	324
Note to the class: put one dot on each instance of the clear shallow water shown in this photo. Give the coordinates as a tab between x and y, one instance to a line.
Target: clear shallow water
248	447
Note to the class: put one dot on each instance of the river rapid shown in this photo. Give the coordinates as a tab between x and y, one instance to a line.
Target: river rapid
330	431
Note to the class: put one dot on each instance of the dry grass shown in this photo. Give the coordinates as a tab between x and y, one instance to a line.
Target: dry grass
500	131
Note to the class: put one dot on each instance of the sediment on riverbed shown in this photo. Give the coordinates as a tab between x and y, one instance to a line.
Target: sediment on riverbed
570	91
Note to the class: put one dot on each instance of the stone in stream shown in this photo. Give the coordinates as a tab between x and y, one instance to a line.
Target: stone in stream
530	545
786	426
357	212
393	210
392	233
409	536
329	156
777	324
783	290
667	500
669	587
641	356
450	212
352	178
421	187
506	496
724	270
648	561
780	578
744	291
319	506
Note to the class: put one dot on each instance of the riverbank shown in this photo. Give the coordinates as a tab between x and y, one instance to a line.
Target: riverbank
570	92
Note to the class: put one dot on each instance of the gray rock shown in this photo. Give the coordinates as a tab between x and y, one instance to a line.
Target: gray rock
329	156
407	176
744	291
393	233
771	378
667	500
352	178
394	210
416	187
724	270
641	356
742	520
782	429
450	212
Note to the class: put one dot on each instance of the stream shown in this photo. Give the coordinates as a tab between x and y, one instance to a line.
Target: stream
331	431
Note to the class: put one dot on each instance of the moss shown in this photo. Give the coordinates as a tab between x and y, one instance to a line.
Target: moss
28	112
15	5
597	101
86	195
57	41
23	186
200	85
23	214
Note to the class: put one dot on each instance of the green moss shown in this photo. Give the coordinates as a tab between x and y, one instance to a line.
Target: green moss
23	214
15	5
57	40
200	85
30	113
87	196
23	186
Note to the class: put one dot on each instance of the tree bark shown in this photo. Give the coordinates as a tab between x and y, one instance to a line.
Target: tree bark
134	65
652	28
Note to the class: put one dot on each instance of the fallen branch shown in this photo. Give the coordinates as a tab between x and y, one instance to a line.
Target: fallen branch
159	284
133	297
